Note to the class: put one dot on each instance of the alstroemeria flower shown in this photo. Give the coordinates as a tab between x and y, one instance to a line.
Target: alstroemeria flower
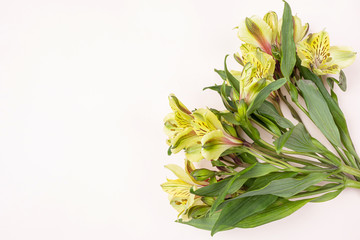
263	63
316	54
178	127
257	72
215	140
257	32
179	190
186	129
271	19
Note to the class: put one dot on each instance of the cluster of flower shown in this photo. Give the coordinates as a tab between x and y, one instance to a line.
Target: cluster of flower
214	135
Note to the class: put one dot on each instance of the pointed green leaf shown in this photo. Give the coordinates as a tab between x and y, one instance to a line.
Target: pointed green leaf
278	210
235	211
288	49
300	140
261	182
333	106
319	111
269	124
281	141
205	223
217	88
232	80
221	73
286	187
342	81
268	110
327	196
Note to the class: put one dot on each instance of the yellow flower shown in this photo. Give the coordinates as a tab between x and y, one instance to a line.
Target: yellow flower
263	63
179	190
257	32
316	54
214	139
186	131
178	127
271	19
257	73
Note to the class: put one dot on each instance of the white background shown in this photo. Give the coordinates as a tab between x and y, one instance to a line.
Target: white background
83	91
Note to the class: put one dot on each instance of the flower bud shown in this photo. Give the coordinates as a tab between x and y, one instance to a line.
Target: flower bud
202	174
271	19
208	200
198	211
242	108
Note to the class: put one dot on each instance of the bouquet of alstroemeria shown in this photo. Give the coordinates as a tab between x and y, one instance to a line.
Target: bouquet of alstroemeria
251	181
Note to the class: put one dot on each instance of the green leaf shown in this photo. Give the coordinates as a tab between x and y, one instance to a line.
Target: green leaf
248	158
330	81
269	124
226	189
264	93
334	96
169	151
235	183
319	111
268	110
232	80
288	49
214	190
221	73
260	169
261	182
300	140
205	223
237	210
278	210
342	81
229	116
225	98
280	142
293	92
211	190
217	88
286	187
327	196
333	106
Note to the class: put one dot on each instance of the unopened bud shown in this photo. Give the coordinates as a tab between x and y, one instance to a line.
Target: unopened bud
208	200
198	211
202	174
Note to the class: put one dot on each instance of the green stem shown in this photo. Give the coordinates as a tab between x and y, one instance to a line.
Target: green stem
353	171
295	159
352	183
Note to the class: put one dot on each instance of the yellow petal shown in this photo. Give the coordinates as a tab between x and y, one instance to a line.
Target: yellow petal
180	173
215	143
176	188
271	19
184	139
193	153
182	114
205	121
257	32
342	56
299	30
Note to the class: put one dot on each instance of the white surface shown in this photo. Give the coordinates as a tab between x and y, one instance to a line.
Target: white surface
83	91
